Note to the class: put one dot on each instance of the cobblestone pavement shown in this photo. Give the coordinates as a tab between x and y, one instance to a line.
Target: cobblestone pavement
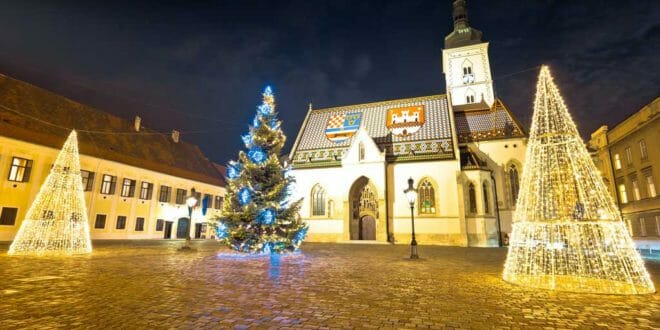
147	284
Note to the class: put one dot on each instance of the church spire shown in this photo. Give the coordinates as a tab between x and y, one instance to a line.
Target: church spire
463	34
460	15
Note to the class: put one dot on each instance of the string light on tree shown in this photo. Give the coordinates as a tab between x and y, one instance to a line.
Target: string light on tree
259	216
567	232
56	222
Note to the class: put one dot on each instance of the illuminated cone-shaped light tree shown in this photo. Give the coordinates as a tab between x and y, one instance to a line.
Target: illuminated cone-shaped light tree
56	223
567	232
258	216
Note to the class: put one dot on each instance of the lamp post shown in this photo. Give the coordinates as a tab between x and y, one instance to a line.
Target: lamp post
411	195
191	201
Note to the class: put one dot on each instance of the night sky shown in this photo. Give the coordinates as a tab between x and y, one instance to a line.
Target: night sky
200	67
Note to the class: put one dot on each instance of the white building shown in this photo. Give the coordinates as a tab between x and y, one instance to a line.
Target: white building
464	150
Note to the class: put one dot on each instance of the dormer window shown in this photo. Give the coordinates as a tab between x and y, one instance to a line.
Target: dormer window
469	96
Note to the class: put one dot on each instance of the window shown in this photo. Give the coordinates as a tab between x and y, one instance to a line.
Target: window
467	70
146	190
617	161
469	99
514	183
128	188
636	195
318	201
361	151
643	150
100	221
629	155
472	195
165	193
426	197
108	184
642	226
219	201
20	169
209	201
8	216
180	196
121	222
485	189
87	180
160	223
622	193
139	224
651	186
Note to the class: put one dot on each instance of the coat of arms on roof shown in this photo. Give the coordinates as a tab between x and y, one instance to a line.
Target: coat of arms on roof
405	121
342	126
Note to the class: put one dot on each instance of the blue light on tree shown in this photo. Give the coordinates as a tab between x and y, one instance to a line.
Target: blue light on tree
233	171
244	196
257	155
268	91
300	235
274	124
247	139
266	216
256	122
221	230
264	109
267	248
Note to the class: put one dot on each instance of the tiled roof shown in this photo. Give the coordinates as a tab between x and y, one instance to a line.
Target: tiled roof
433	140
26	110
488	124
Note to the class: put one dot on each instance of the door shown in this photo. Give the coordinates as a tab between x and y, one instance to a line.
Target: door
168	229
182	228
198	230
367	228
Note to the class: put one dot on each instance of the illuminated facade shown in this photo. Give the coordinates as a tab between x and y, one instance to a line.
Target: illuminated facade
627	156
464	149
135	183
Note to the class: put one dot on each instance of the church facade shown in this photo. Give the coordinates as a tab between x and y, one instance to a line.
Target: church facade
464	151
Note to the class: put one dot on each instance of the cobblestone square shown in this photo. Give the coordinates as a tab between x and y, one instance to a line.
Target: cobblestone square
148	284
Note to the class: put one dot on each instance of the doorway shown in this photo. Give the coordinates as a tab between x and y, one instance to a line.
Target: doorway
367	228
182	228
168	229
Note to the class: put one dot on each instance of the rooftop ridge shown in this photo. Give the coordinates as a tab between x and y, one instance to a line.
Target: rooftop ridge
377	103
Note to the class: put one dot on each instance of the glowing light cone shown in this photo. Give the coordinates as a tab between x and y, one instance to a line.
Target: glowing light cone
567	232
56	223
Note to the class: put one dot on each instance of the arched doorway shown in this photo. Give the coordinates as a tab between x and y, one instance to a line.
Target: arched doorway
182	228
364	210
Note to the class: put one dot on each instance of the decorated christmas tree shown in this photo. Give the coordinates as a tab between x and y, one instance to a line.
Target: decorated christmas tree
259	215
56	223
567	232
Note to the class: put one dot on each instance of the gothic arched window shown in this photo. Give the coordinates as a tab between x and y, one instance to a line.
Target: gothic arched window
472	196
514	183
469	96
318	201
485	189
426	197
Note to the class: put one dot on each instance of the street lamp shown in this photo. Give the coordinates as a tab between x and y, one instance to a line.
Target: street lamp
191	201
411	195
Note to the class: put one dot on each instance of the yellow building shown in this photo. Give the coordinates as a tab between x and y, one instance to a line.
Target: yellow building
628	156
136	180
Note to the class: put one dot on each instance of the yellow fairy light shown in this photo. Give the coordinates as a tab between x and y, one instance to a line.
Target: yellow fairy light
567	232
56	223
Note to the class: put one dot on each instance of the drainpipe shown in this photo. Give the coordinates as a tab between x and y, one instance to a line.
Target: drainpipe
387	208
497	211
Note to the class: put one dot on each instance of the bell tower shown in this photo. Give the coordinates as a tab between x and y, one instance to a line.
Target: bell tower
465	63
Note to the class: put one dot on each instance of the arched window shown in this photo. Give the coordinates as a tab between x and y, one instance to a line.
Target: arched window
486	189
361	151
426	197
318	201
472	194
469	96
514	183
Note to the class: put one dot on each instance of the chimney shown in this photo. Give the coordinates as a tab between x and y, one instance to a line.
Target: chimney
175	136
138	120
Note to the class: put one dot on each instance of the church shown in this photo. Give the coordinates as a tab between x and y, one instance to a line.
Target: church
464	151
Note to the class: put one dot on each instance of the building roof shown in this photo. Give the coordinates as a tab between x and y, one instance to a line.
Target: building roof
479	124
431	138
32	114
463	34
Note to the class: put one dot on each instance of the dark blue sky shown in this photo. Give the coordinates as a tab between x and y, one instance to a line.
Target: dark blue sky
201	66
